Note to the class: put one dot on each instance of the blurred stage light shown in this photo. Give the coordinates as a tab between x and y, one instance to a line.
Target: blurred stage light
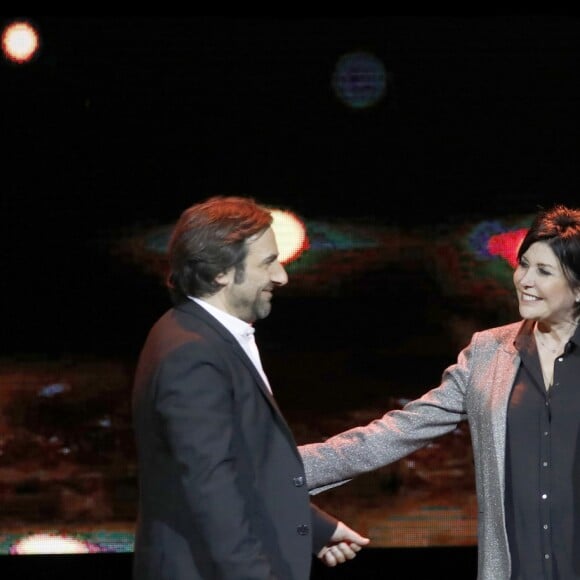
290	234
20	42
473	259
359	80
506	245
51	544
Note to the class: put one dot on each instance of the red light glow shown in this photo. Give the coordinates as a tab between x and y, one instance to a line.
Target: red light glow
507	245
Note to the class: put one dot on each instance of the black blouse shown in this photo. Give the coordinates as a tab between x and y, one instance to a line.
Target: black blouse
542	499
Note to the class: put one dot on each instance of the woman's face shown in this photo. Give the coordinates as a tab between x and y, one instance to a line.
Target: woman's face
543	291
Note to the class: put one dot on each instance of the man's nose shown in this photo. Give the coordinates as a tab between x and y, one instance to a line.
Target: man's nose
279	275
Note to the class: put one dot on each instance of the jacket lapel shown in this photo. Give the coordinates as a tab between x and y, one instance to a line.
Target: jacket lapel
507	364
193	309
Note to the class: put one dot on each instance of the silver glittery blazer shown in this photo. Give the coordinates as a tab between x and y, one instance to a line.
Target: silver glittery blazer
476	388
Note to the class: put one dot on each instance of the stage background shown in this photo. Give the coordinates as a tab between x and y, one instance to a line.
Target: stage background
413	149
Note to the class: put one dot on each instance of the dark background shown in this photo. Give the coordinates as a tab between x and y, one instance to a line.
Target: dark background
126	121
121	123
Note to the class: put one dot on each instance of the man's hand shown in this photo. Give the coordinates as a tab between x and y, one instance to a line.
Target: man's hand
343	546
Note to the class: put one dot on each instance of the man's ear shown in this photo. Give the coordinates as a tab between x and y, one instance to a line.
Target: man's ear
225	278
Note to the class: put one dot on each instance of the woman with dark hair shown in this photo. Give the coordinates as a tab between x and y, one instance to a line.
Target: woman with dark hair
518	386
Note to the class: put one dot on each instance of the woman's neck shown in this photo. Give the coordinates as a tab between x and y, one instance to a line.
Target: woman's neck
554	336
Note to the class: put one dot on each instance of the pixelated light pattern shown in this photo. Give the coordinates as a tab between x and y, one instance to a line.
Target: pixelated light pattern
493	239
93	541
506	245
359	80
291	235
290	231
51	544
20	42
471	260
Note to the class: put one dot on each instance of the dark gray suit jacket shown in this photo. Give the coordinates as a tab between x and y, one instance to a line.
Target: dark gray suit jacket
222	488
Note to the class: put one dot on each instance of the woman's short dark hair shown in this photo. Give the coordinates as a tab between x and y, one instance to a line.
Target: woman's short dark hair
559	227
210	238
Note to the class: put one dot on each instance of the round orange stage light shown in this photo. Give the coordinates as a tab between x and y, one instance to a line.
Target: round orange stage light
20	41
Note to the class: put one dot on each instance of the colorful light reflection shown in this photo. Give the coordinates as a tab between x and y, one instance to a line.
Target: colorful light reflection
473	259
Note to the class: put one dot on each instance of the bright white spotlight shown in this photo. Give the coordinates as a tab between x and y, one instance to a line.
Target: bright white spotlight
20	42
290	233
50	544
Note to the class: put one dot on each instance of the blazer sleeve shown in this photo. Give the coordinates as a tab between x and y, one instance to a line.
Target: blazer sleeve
393	436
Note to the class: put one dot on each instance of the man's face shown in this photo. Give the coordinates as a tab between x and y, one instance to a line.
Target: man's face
250	298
